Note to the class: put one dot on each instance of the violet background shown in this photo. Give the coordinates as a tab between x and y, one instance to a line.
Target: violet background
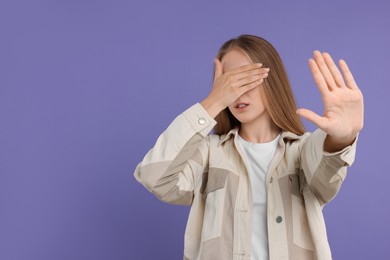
86	87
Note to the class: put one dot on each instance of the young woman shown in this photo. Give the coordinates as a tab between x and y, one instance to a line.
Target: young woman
257	185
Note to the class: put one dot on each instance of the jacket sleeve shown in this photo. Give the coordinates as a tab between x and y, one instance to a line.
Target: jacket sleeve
324	171
173	168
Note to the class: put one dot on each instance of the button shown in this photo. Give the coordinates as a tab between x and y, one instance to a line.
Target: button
201	121
279	219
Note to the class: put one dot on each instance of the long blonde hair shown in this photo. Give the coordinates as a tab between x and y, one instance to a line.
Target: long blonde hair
278	96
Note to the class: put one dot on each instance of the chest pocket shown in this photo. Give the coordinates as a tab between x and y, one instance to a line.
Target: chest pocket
214	191
300	225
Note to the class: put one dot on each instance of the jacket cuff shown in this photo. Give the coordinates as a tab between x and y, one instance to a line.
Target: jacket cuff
199	119
346	156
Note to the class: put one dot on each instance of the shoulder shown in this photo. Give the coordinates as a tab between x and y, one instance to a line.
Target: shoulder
294	142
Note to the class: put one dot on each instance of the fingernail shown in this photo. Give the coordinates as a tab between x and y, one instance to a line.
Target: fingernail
266	69
259	64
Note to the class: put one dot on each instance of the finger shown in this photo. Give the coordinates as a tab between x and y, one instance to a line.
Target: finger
248	73
338	78
318	77
250	86
251	66
350	81
248	80
312	117
319	59
217	69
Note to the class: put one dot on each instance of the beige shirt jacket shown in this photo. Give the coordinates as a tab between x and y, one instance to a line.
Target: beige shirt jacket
190	166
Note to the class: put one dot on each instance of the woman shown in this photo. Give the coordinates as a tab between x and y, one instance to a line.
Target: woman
258	184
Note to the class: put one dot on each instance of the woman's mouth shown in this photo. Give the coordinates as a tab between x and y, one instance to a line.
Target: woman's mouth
241	106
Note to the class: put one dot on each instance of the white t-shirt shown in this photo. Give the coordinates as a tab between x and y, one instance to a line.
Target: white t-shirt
258	157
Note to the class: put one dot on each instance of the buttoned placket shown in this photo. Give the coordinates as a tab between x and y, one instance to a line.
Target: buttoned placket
242	251
271	217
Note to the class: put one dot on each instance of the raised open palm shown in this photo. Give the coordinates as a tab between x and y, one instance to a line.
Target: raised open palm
343	101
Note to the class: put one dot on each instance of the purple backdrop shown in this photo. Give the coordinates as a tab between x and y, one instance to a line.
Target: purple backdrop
86	87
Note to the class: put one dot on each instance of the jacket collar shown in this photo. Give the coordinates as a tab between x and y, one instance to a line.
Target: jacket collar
234	132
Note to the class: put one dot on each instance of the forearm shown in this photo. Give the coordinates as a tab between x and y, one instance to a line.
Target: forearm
174	146
325	171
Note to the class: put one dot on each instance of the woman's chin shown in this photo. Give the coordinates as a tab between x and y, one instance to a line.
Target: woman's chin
244	120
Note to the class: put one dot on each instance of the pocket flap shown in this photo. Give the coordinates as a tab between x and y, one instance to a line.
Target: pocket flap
213	180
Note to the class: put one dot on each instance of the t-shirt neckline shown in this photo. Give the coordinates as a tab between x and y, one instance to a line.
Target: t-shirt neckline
259	145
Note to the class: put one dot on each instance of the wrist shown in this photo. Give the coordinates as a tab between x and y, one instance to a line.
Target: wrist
212	107
332	144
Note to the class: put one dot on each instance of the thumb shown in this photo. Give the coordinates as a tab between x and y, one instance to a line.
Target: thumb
217	69
312	117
